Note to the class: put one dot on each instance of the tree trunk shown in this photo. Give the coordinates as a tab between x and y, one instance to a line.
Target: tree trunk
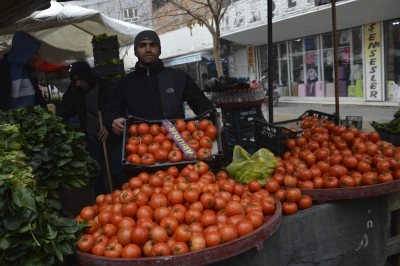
217	55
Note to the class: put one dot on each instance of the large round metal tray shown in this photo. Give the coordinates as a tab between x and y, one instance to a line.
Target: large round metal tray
353	193
202	257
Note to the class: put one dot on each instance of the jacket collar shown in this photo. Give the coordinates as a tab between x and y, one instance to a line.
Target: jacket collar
156	68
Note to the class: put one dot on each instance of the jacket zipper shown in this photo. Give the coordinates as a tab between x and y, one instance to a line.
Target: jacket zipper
148	72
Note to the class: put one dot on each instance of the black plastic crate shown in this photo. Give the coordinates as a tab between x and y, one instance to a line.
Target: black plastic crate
106	44
243	137
105	57
110	69
273	136
215	161
320	115
392	138
241	117
353	121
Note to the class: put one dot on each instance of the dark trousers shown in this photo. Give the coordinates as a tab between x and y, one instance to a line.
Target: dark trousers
114	152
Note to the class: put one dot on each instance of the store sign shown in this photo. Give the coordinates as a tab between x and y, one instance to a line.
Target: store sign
373	62
250	55
323	2
249	13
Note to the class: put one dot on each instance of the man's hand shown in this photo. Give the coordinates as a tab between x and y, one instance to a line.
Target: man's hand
118	126
103	134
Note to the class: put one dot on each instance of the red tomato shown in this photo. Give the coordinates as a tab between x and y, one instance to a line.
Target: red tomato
212	238
87	213
139	235
347	181
131	148
254	186
289	208
197	242
385	177
233	208
148	159
113	250
179	248
211	131
86	243
304	202
158	234
133	158
228	233
183	233
204	153
293	194
131	251
180	125
330	182
147	139
143	128
99	248
124	235
369	178
175	156
154	130
244	227
132	130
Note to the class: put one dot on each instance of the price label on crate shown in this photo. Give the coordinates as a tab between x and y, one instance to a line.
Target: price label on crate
177	137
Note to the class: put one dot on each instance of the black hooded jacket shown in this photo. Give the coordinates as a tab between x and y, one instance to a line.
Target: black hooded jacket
14	65
74	102
155	93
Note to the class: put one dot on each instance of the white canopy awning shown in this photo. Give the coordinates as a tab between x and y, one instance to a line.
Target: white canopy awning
66	31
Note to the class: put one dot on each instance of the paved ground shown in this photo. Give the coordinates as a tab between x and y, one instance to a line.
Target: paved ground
376	112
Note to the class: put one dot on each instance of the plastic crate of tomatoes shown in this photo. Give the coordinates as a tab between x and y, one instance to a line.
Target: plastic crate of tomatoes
273	136
151	145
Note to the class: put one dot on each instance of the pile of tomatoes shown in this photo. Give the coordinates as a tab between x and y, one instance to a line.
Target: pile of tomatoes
173	212
328	156
151	143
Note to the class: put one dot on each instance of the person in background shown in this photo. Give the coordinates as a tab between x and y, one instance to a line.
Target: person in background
152	91
18	79
87	97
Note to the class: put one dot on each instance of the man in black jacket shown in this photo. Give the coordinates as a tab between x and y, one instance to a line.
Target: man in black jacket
87	97
152	91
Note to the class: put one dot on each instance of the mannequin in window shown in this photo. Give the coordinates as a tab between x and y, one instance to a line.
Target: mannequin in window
356	73
312	75
301	76
329	58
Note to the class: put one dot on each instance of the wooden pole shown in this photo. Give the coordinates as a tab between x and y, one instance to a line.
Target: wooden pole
110	186
270	65
335	57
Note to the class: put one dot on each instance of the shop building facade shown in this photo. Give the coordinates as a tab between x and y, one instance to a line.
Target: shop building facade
303	61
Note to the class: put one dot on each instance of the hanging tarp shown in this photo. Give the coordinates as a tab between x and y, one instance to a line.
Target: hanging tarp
66	31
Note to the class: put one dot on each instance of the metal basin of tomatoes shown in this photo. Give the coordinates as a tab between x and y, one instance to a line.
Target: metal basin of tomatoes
353	192
201	257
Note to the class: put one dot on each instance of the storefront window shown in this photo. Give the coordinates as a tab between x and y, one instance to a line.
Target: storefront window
392	33
305	67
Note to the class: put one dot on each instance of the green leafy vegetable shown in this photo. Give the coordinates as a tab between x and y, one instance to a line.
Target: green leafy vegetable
38	155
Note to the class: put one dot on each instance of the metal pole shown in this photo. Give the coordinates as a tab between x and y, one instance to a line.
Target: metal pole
269	53
335	57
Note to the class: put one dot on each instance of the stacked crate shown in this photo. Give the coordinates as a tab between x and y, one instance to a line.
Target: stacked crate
238	125
106	57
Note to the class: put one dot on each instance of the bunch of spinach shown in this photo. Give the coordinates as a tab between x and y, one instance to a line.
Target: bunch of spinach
38	155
